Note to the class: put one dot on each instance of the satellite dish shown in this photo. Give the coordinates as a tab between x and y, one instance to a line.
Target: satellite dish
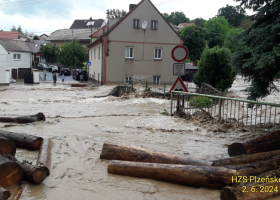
144	24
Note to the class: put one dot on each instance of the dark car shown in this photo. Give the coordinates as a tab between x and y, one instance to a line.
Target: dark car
78	72
65	71
40	66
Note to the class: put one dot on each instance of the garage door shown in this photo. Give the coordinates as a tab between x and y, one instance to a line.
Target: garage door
22	71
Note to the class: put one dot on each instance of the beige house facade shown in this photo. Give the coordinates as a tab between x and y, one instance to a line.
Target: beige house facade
128	50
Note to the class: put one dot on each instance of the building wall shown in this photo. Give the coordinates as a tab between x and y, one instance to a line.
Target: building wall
3	63
144	43
96	62
24	62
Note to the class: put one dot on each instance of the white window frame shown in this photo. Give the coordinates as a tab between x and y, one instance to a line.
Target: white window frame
157	81
17	56
129	56
136	23
154	24
156	54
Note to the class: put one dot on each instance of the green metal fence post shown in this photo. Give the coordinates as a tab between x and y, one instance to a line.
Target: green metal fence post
220	109
171	103
164	88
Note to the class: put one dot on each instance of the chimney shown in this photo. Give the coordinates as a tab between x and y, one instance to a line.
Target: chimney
90	18
131	6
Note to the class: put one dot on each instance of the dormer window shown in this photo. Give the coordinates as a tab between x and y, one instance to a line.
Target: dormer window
90	23
154	24
136	23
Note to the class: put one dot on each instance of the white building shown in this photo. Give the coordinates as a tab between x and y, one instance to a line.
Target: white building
16	56
3	60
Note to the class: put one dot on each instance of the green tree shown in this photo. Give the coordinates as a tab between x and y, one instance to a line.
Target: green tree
115	13
214	69
259	59
176	18
195	41
199	22
67	54
234	14
19	29
246	23
165	15
216	31
231	42
51	52
36	37
13	28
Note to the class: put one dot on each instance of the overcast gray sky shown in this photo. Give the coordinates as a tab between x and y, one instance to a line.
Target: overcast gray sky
46	16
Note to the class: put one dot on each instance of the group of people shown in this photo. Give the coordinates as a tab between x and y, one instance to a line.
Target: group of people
54	75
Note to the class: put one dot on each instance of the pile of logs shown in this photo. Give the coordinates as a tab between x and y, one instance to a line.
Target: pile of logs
13	171
252	176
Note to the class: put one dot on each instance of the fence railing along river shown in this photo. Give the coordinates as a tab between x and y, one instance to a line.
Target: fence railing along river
258	116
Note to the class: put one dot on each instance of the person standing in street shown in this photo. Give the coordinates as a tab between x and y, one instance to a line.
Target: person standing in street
45	74
54	77
62	77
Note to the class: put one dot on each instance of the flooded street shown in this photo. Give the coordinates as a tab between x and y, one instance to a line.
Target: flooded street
79	123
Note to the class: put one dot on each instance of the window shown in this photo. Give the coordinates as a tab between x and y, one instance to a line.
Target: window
158	54
99	53
128	78
129	52
136	23
156	80
94	53
154	24
16	56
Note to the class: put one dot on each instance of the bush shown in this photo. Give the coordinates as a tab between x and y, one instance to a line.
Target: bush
214	69
201	102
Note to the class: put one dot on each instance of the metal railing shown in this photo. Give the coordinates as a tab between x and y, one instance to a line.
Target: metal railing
252	114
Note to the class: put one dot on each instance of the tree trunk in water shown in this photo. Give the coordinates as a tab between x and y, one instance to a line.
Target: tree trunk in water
261	167
32	173
243	159
251	192
24	119
268	142
18	194
123	151
7	146
11	173
4	194
44	158
207	176
23	140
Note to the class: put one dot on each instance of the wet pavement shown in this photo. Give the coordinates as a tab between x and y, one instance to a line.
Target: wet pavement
79	123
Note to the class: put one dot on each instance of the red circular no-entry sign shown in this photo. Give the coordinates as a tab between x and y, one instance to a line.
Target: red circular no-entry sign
180	53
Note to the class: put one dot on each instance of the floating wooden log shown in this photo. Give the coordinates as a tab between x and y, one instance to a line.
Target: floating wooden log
207	176
23	140
113	150
260	167
4	194
251	192
7	146
11	173
243	159
44	158
24	119
268	142
32	173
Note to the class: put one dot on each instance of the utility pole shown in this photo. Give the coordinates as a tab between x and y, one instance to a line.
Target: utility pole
74	62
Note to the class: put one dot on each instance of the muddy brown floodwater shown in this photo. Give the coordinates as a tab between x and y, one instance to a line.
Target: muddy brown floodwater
79	124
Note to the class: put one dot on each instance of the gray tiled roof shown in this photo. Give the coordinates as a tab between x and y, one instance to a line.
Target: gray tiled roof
82	23
11	45
70	34
112	22
32	46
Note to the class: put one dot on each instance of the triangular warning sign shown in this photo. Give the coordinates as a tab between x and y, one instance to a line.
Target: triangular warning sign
179	86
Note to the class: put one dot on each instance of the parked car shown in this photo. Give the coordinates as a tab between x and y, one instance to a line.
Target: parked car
40	66
77	72
46	67
11	80
65	71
